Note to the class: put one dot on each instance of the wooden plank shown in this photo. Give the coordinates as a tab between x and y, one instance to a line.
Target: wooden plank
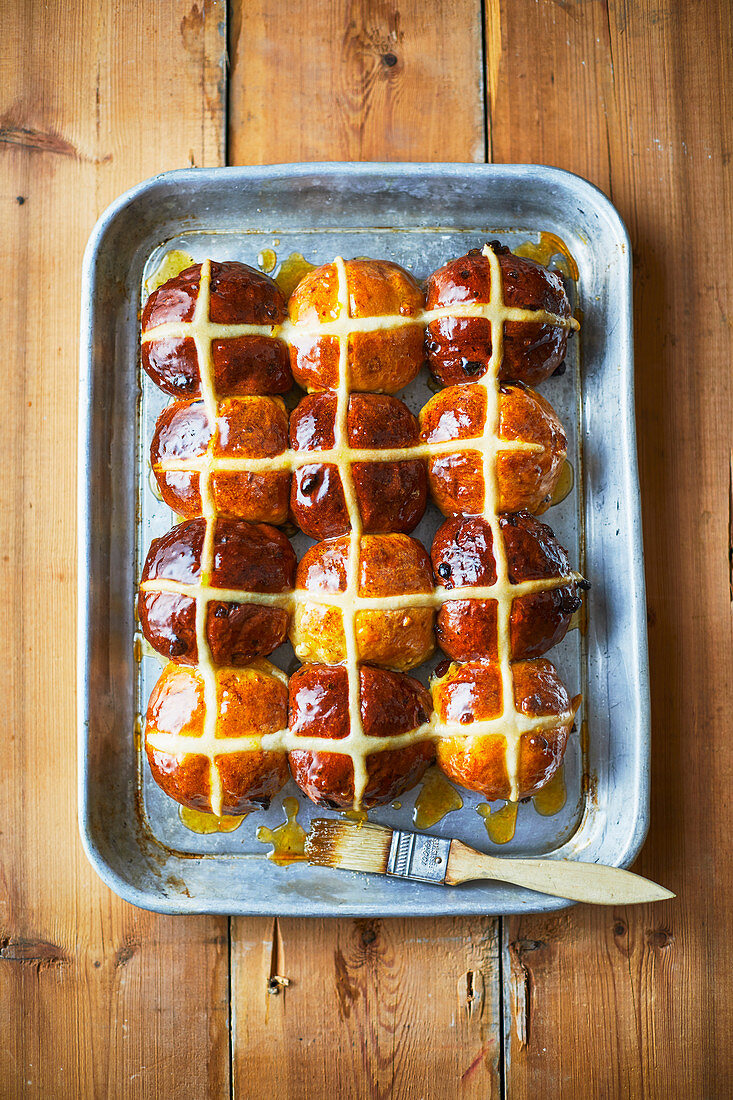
637	98
355	81
374	1008
94	994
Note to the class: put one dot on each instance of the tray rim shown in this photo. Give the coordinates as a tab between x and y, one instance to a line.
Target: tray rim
527	901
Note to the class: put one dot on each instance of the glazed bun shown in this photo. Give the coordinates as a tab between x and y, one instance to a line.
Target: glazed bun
251	702
252	363
463	555
247	427
483	761
459	348
391	705
382	360
247	557
525	478
391	495
389	565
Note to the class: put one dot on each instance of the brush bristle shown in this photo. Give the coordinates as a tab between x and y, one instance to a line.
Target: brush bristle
362	847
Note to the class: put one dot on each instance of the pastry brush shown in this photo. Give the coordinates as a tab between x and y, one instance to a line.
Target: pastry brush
446	862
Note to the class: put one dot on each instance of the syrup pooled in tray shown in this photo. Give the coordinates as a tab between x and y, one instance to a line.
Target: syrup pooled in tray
172	264
199	822
552	797
357	816
437	798
564	485
500	824
267	259
288	839
293	268
542	252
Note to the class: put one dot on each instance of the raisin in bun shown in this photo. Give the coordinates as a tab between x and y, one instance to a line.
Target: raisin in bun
391	496
247	557
251	702
250	363
247	427
459	348
389	565
515	757
381	360
391	705
463	555
525	478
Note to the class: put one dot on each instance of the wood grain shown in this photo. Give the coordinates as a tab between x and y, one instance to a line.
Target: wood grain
97	999
349	80
374	1008
637	98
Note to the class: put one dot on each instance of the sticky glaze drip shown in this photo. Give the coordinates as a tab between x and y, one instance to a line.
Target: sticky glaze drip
553	796
288	839
437	798
199	822
542	252
500	824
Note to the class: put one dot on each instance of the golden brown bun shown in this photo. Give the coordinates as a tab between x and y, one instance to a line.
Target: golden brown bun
382	361
242	364
391	704
525	479
472	693
390	565
252	702
248	427
459	348
463	555
391	495
247	556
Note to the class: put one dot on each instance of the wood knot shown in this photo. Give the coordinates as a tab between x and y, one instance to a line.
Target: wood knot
389	60
659	937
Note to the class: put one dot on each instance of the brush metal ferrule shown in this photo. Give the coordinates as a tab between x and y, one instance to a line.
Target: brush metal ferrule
416	856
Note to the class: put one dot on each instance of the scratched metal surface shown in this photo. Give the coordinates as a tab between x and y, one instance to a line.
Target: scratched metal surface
131	830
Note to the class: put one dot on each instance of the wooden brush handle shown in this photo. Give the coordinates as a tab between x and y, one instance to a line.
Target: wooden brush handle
564	878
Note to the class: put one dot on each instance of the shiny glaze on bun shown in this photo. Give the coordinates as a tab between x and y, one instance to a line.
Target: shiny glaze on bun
391	495
247	427
473	693
459	348
525	479
389	565
390	704
251	557
381	361
462	555
251	701
251	364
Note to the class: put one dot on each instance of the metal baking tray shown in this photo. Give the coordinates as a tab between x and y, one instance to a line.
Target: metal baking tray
419	215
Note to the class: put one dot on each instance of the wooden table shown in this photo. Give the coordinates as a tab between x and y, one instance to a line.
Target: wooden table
98	999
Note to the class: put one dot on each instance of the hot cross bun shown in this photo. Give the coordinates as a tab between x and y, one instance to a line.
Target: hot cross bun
459	347
391	567
529	459
502	748
391	706
247	558
548	592
249	427
390	495
231	773
246	355
383	353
